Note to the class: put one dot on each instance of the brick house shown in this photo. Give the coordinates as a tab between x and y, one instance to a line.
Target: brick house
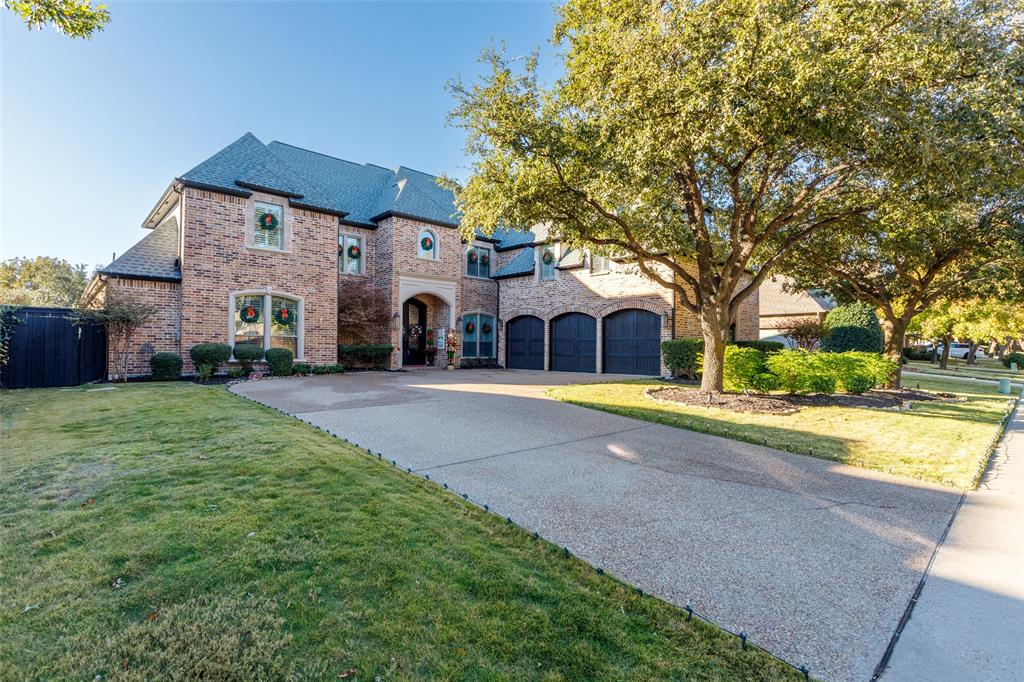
783	304
259	242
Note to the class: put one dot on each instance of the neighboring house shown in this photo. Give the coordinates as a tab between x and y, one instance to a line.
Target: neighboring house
780	309
257	243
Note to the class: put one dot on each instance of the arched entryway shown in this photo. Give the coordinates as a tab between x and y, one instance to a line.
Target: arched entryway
574	343
632	342
414	332
525	342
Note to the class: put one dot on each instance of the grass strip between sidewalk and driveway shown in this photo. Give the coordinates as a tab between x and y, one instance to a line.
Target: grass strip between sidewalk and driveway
939	442
174	531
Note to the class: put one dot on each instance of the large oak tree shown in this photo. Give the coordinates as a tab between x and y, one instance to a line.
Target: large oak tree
707	140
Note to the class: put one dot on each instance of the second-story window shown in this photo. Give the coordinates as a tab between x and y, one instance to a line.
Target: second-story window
598	264
427	245
478	261
350	255
269	231
548	262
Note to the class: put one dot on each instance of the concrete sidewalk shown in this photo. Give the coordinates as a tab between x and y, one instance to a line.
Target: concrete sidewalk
969	621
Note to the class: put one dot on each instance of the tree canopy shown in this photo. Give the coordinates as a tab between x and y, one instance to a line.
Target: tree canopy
42	281
707	140
73	18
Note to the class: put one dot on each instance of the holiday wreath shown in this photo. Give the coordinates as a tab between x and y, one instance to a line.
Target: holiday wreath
284	316
250	314
486	327
268	221
427	243
470	327
548	257
485	259
354	252
473	257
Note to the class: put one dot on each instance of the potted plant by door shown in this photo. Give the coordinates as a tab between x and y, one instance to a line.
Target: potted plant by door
451	343
431	347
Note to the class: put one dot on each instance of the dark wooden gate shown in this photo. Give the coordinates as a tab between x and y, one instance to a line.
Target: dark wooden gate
47	349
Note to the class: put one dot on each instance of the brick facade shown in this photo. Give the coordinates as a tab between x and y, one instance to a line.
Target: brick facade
219	259
159	335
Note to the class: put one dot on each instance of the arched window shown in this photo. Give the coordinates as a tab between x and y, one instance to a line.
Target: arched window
427	245
267	320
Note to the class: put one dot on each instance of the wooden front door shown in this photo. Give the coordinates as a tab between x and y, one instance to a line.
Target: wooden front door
414	332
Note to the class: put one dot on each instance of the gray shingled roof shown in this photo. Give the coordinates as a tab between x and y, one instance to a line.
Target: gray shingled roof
573	258
773	299
521	264
155	256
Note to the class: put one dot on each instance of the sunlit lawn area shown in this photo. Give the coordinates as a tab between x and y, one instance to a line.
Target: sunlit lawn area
172	531
938	442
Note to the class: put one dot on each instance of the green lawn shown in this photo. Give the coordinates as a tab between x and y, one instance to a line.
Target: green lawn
986	369
937	442
173	531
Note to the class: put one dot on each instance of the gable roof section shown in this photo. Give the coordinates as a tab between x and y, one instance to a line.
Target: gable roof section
521	264
773	299
155	256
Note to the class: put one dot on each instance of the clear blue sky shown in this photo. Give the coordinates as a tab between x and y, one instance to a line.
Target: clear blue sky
93	131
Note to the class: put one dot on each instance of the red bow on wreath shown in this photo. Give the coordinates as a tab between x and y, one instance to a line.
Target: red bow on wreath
250	311
284	313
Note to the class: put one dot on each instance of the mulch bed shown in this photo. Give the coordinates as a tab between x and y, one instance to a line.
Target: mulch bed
878	398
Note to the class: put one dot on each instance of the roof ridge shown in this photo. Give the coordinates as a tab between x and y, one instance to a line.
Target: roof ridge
313	151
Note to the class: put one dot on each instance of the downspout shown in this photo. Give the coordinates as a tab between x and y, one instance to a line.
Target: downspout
501	327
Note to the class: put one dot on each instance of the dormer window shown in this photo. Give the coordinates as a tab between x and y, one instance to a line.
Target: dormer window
427	246
478	262
269	229
548	261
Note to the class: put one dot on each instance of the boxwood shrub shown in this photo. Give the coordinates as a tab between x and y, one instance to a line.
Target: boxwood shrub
246	354
366	353
207	357
800	371
166	366
302	369
336	368
681	356
763	346
279	360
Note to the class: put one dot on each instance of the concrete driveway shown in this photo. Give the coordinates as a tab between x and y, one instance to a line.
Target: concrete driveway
814	561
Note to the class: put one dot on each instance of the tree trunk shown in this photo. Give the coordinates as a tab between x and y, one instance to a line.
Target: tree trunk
711	380
895	332
971	350
944	360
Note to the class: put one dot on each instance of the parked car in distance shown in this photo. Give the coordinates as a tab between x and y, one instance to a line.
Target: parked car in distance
961	351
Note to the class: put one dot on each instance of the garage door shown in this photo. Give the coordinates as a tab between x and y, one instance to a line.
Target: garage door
632	342
525	336
574	343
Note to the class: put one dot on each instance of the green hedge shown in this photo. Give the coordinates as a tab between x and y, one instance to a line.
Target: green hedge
800	371
166	366
373	353
302	369
336	368
853	327
247	354
1017	357
280	361
207	357
681	356
763	346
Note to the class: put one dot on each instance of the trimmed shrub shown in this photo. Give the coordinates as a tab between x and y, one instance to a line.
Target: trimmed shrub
368	353
280	361
207	357
302	369
246	354
742	368
917	353
800	371
681	356
1017	357
336	368
166	366
763	346
853	327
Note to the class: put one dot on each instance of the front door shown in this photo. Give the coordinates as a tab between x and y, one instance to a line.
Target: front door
414	332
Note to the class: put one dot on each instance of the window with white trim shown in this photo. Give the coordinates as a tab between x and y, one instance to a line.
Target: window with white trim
278	329
426	247
548	257
599	264
478	262
477	336
268	226
350	254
